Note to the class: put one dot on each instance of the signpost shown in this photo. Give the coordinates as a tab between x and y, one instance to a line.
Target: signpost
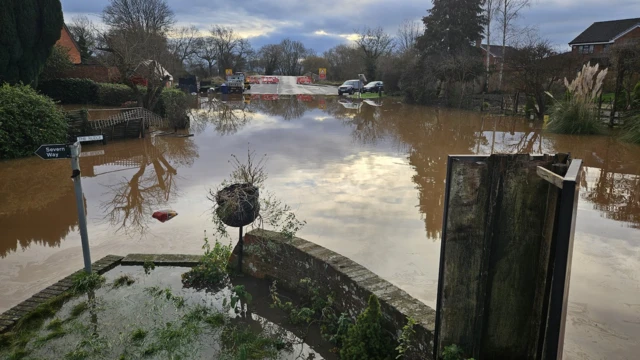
53	151
90	138
64	151
323	73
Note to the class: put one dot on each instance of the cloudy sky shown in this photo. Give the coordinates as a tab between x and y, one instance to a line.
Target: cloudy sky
326	23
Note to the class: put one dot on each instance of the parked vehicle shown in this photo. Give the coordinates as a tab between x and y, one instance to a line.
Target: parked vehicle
238	83
373	87
350	87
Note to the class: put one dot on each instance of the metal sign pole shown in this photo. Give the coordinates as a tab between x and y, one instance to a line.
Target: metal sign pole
82	219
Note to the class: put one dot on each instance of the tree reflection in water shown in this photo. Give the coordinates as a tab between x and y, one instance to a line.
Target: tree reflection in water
132	200
228	115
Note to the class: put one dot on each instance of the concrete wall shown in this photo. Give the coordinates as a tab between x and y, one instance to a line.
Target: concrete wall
270	255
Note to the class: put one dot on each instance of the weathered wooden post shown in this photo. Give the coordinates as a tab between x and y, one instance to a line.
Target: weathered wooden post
506	255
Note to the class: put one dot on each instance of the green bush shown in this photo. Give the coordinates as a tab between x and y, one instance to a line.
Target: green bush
636	96
70	91
114	94
173	105
571	117
28	120
367	338
213	268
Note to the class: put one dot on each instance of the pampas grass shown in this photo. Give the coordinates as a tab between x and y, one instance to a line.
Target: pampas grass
577	113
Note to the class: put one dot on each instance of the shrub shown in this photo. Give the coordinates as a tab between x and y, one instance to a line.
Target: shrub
367	338
213	267
570	117
114	94
631	130
173	105
57	63
70	91
28	120
577	114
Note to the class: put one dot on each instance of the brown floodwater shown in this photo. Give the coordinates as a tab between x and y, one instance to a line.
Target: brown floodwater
367	177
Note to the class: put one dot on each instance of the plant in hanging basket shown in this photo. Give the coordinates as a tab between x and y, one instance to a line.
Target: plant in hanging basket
238	204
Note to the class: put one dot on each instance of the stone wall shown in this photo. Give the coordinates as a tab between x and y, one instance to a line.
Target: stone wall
270	255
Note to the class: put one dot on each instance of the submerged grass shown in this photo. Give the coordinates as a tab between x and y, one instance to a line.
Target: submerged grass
123	280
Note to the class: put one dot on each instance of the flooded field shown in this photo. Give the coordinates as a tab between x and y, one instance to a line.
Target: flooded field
368	177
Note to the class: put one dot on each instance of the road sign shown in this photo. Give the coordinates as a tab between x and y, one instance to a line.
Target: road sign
90	138
53	151
323	73
228	72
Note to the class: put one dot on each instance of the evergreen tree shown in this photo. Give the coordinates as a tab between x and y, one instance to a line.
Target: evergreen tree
85	51
452	26
28	31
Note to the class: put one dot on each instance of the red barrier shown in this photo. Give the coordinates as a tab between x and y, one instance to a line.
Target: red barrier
304	80
270	97
270	80
255	96
254	79
303	97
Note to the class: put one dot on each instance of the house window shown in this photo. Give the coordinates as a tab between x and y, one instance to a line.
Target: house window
586	49
605	48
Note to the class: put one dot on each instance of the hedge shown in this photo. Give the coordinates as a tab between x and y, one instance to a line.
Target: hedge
114	94
28	120
86	91
70	91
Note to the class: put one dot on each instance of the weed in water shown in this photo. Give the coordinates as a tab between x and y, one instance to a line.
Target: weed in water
453	352
242	343
83	282
407	338
148	266
77	354
78	309
123	280
213	267
138	335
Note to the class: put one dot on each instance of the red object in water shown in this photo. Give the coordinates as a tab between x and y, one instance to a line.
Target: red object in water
164	215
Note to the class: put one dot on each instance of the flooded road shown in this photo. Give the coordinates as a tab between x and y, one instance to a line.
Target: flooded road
368	178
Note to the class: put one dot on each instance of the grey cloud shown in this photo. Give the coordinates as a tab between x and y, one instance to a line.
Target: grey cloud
558	20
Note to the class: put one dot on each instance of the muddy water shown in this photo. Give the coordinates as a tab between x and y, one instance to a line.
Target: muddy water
368	179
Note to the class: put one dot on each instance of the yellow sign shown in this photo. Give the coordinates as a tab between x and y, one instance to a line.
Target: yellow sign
228	72
323	73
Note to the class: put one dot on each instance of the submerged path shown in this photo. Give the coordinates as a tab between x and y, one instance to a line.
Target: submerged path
288	86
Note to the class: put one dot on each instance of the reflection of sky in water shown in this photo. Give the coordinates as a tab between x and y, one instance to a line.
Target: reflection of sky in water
368	181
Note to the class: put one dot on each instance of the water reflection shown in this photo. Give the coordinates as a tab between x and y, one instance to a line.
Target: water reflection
368	176
131	199
34	193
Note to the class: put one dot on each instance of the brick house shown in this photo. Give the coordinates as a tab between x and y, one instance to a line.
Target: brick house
597	38
66	41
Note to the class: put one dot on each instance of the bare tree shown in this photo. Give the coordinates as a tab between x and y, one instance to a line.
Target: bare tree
149	16
206	50
291	55
490	13
344	62
182	42
135	42
226	43
270	56
408	34
508	12
373	42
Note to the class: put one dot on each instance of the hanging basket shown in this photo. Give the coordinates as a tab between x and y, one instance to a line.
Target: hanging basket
238	204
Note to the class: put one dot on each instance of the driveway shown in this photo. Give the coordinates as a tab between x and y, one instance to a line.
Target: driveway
288	86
